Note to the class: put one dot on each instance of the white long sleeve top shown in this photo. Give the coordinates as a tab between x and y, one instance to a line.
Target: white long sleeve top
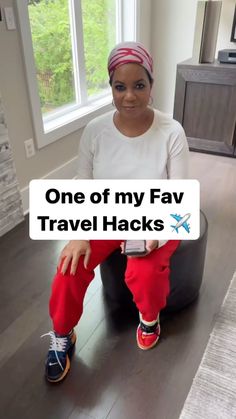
160	153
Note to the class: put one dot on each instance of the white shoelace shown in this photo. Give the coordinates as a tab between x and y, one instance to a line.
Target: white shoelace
57	344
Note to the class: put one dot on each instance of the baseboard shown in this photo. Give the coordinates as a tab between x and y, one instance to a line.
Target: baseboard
66	171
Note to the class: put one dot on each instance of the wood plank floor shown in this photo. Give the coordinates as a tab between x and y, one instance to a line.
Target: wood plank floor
110	378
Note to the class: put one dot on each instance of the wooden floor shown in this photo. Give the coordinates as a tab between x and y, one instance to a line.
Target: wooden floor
110	378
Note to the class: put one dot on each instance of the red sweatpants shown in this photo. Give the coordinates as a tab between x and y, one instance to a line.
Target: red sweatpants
146	277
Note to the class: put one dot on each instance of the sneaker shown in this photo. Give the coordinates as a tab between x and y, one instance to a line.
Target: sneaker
61	348
148	336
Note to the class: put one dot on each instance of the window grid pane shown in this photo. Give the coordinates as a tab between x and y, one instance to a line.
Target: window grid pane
99	31
69	117
51	37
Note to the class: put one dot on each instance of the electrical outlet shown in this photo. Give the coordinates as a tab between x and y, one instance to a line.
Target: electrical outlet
29	148
10	19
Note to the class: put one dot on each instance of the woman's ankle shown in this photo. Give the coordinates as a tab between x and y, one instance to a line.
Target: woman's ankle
148	322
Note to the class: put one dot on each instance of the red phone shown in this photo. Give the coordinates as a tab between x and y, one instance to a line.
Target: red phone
135	247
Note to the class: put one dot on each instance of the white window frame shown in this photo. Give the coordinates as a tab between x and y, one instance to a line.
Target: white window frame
71	118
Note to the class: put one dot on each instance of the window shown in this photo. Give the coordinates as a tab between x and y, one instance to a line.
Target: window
66	45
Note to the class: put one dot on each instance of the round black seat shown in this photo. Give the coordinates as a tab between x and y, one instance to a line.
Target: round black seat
187	265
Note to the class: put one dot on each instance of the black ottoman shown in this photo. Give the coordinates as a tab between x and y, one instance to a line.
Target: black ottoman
187	265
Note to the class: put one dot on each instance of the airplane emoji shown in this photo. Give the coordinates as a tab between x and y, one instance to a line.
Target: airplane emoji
181	222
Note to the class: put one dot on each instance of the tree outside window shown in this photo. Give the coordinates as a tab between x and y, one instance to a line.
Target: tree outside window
53	49
65	45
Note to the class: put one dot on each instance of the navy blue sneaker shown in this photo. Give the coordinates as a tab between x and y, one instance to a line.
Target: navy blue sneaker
61	349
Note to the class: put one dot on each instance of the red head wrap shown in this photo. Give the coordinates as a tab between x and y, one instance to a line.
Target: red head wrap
130	52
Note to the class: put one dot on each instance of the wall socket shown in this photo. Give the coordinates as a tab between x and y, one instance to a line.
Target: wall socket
29	148
10	19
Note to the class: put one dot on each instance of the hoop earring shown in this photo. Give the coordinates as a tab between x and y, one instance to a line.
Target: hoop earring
150	102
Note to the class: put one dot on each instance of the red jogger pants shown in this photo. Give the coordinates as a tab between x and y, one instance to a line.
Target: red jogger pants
146	277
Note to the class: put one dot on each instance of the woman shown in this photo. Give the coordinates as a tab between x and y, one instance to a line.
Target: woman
131	142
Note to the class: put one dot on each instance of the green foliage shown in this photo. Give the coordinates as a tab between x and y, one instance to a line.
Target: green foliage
50	27
99	38
52	51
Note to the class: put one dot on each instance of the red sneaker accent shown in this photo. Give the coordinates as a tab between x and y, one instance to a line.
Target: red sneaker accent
146	340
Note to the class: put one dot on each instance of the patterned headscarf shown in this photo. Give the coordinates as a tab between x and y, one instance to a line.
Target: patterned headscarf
129	52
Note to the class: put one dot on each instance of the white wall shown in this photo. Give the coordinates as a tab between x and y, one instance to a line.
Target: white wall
225	27
144	33
167	29
173	23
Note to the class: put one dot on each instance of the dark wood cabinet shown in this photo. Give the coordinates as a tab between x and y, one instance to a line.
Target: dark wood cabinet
205	105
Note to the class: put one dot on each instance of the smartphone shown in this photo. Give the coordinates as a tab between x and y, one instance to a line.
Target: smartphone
135	247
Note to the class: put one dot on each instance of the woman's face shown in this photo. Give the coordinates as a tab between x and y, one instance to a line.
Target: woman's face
131	90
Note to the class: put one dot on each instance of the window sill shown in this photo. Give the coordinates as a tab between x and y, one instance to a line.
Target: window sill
58	128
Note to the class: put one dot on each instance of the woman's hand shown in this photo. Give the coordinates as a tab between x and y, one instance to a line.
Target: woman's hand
72	252
150	246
